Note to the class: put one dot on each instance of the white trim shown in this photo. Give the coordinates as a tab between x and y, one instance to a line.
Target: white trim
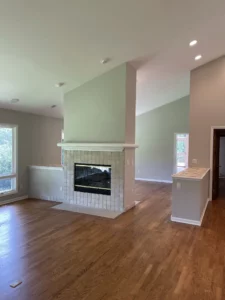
154	180
14	173
13	200
112	147
185	221
15	155
211	158
46	168
7	176
189	221
7	193
5	125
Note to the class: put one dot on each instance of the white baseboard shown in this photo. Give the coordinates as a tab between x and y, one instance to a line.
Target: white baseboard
13	200
154	180
185	221
189	221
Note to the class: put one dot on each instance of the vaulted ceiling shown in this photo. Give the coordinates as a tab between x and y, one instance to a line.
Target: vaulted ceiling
44	42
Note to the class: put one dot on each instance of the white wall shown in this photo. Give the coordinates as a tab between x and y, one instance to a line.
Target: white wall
46	183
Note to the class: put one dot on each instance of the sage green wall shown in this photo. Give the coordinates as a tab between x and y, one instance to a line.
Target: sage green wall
96	111
155	137
37	139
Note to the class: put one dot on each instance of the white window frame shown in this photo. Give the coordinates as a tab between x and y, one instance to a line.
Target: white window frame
14	173
175	167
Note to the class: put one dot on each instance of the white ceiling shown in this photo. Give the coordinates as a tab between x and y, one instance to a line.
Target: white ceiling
43	42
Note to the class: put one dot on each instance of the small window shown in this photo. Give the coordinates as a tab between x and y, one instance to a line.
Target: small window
8	155
181	149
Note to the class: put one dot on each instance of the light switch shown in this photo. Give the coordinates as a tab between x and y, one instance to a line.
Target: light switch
194	161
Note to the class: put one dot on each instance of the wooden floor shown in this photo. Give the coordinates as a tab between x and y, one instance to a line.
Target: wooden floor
140	255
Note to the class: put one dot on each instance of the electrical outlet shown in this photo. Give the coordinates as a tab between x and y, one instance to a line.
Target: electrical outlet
194	161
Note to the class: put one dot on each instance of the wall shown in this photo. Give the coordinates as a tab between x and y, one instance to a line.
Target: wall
46	133
155	137
130	104
222	157
96	111
36	135
189	201
46	183
207	107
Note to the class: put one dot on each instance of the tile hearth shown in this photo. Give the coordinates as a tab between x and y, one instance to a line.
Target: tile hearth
88	210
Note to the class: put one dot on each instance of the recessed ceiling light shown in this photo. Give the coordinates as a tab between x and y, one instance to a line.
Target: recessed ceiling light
104	60
198	57
53	106
193	43
59	84
15	101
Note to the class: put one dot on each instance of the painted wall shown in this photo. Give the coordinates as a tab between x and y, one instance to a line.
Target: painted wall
155	137
207	107
130	104
46	183
222	157
96	111
189	201
36	135
46	133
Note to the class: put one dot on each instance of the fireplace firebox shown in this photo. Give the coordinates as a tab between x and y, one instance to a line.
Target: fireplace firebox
91	178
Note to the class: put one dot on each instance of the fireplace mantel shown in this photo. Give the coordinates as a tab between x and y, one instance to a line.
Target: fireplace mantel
111	147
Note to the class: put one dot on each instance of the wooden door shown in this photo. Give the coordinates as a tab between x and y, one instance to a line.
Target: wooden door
216	149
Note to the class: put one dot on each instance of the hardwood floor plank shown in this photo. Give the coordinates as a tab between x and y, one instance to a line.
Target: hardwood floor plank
141	255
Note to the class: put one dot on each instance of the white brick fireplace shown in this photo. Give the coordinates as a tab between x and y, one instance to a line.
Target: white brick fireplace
121	159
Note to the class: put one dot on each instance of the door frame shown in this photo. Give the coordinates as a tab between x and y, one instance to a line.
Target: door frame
211	158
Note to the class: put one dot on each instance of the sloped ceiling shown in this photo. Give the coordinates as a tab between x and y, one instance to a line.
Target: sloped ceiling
48	41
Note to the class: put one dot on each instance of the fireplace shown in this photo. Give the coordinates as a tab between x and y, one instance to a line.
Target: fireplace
92	178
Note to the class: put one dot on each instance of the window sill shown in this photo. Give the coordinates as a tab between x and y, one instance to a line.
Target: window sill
8	193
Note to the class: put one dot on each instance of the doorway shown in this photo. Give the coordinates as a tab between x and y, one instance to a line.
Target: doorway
181	151
218	164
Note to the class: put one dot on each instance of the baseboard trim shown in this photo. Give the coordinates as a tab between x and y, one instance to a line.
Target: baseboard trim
154	180
189	221
13	200
185	221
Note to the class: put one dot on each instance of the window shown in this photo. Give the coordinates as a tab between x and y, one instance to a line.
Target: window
181	151
8	162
